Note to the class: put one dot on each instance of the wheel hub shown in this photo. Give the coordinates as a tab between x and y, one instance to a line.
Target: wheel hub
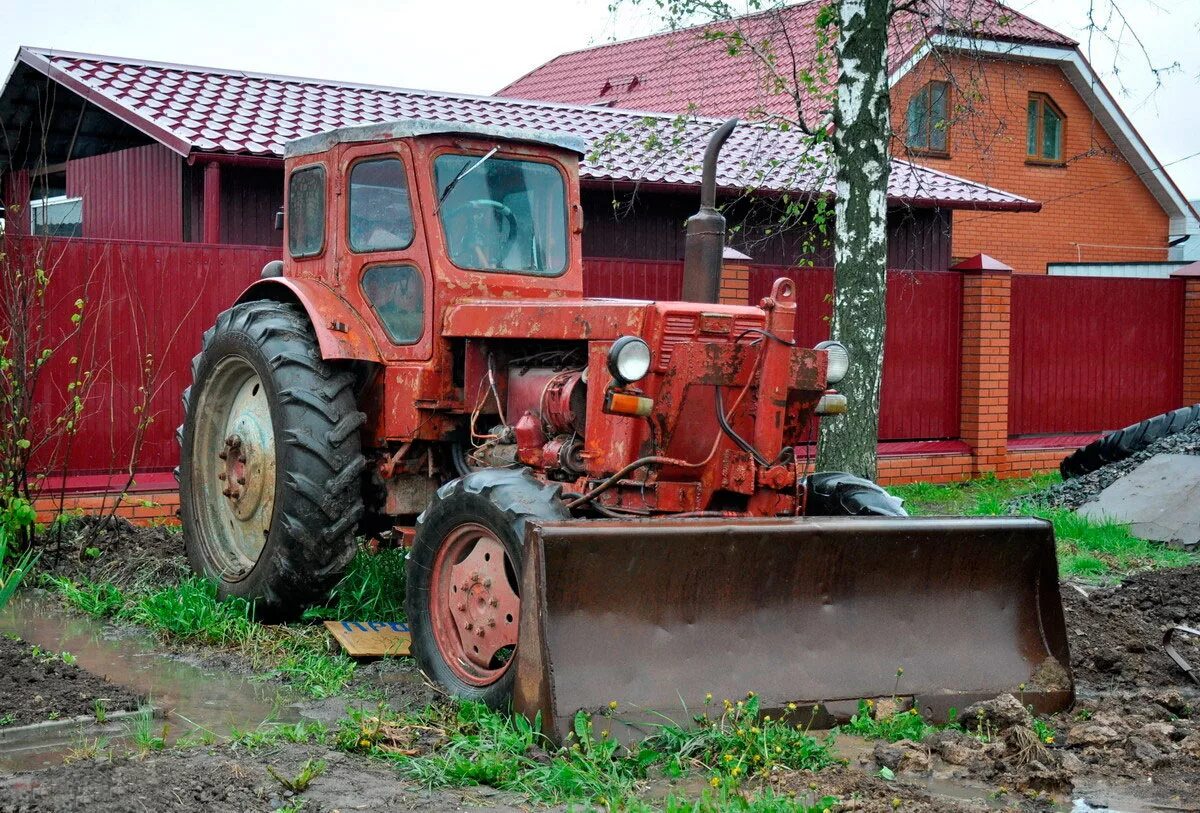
476	613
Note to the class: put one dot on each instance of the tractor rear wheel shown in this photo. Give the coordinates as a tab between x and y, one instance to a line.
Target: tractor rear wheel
837	494
464	571
270	461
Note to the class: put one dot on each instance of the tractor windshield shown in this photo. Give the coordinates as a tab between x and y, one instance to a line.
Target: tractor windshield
503	215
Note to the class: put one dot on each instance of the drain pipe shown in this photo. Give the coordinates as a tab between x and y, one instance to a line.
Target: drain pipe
705	239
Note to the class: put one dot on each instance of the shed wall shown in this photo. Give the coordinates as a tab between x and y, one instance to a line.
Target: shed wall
134	194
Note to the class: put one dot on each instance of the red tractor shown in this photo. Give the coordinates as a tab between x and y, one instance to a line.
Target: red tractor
608	498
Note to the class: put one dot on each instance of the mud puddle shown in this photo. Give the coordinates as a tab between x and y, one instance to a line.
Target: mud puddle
191	698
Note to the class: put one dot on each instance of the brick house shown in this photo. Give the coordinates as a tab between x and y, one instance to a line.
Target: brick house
978	90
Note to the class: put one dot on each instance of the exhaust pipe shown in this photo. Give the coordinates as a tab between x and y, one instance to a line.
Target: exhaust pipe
705	240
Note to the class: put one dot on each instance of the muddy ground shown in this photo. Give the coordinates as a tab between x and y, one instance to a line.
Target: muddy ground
40	686
1132	742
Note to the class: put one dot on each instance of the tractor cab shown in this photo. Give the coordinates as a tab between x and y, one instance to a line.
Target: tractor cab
424	214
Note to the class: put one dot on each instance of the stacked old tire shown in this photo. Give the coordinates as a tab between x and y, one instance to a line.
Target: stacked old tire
1121	444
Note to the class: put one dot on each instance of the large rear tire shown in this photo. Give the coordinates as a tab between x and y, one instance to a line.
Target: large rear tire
270	461
1132	439
464	574
837	494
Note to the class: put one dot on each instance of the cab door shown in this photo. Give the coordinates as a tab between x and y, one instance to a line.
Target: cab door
384	265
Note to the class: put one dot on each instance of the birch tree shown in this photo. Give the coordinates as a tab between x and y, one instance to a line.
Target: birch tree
861	131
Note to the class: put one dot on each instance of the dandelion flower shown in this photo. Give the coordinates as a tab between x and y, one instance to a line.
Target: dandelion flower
736	770
715	781
612	704
791	706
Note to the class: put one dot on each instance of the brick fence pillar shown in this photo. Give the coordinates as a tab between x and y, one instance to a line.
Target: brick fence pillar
986	300
735	278
1191	331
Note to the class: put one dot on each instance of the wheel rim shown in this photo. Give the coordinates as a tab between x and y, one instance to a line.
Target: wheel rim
233	467
474	605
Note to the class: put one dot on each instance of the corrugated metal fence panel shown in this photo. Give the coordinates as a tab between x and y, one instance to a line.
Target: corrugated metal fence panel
632	279
920	390
134	193
1090	354
146	307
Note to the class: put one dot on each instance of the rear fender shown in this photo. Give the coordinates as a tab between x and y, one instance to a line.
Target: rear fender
341	333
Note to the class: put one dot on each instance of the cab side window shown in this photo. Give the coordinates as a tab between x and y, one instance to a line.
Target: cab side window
306	212
380	213
397	295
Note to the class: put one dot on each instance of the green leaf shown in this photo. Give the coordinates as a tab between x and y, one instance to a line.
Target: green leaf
887	774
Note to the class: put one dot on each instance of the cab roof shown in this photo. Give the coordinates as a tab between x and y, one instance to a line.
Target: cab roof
410	128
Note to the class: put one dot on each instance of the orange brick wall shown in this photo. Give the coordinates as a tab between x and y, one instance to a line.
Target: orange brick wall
1107	204
735	284
143	508
1191	340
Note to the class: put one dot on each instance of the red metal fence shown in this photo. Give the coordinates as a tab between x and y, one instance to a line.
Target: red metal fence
145	307
1086	354
920	390
1089	354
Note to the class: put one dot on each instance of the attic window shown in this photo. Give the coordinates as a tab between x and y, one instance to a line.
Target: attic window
927	118
1044	139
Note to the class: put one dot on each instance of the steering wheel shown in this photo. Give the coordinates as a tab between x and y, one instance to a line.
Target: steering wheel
472	240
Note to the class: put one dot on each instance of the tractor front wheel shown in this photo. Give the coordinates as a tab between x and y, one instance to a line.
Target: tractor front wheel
464	573
271	461
838	494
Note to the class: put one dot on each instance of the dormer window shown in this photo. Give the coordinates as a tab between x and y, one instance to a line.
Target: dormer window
927	118
1044	140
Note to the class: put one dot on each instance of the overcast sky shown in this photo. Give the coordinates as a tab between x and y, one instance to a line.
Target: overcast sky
478	46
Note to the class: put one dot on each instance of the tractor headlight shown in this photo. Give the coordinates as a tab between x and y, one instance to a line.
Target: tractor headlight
839	360
629	359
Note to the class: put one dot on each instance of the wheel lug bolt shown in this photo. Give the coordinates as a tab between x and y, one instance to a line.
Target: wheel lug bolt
494	602
241	481
223	455
480	632
227	493
462	608
487	582
491	622
221	476
470	626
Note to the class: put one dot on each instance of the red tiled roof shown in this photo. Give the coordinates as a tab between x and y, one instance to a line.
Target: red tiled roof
690	69
208	110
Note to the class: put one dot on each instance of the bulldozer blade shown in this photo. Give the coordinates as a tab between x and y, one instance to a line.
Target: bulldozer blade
818	611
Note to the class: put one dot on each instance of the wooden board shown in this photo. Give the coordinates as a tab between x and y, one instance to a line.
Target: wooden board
370	638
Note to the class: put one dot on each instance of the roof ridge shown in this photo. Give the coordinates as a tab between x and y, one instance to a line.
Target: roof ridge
51	54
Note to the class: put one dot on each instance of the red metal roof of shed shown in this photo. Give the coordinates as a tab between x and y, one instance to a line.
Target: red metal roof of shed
690	69
192	109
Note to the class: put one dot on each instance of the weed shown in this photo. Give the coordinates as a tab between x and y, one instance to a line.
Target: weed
763	800
86	749
904	725
372	589
1044	732
740	741
294	806
192	612
142	731
7	719
269	734
309	771
15	519
98	600
68	658
100	712
317	673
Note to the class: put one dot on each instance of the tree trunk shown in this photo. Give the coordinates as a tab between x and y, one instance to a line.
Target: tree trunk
860	143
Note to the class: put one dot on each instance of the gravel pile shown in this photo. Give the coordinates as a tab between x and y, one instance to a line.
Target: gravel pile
1079	490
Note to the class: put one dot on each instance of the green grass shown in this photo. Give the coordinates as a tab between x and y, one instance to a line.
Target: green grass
190	613
1094	550
761	800
468	744
903	725
372	589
